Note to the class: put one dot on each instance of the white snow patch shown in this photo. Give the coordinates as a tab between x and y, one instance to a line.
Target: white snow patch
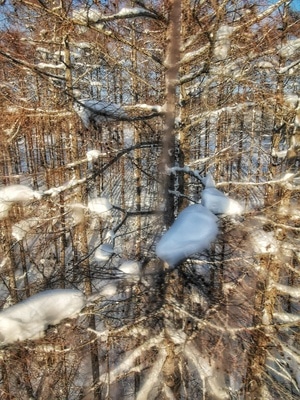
91	110
265	65
77	213
51	66
18	194
4	209
93	155
23	227
153	376
290	48
208	181
286	318
279	153
54	191
264	242
131	268
177	336
129	12
216	201
292	100
15	194
193	231
87	15
292	358
100	206
288	290
110	235
146	107
31	317
108	290
212	377
223	42
297	119
104	252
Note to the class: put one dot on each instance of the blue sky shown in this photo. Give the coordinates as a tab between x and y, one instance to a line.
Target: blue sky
295	4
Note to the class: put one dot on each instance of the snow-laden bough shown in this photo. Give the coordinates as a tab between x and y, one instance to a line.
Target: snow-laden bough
18	194
9	195
192	232
30	318
104	252
100	206
216	201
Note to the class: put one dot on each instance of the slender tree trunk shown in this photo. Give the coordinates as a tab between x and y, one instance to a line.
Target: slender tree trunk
4	388
171	81
8	253
265	299
184	149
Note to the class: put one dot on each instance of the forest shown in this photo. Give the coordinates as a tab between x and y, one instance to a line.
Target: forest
149	199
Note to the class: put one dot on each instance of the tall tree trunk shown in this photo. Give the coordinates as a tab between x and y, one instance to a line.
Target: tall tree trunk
264	305
171	81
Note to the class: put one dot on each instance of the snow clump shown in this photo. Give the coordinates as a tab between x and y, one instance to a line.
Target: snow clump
93	155
104	252
131	269
193	231
13	194
100	206
23	227
95	111
223	42
30	318
216	201
18	194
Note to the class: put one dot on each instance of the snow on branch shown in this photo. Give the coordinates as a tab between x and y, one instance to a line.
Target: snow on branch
193	231
290	68
157	109
284	180
93	16
31	317
15	194
54	191
207	372
216	201
24	227
129	12
154	376
290	48
286	318
223	35
268	11
92	156
193	55
287	289
100	206
96	111
44	65
223	42
216	113
187	170
29	66
93	111
129	362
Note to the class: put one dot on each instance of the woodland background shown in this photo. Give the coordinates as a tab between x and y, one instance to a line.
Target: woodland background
165	91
